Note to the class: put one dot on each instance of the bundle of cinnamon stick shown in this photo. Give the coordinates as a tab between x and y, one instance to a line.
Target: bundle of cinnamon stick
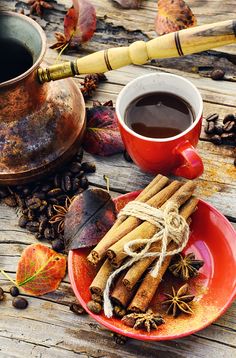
135	287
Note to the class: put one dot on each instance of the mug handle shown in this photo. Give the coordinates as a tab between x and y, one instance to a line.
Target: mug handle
191	164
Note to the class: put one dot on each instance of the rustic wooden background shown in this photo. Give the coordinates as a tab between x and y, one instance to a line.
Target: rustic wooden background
47	328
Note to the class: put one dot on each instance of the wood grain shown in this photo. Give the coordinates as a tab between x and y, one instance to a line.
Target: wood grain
48	328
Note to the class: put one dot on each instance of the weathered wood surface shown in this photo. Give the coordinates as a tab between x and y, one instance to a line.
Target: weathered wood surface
47	328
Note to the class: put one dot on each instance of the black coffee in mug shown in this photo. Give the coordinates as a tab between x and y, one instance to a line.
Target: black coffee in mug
159	115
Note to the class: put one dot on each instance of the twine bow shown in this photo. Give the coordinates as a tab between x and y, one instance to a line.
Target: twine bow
171	226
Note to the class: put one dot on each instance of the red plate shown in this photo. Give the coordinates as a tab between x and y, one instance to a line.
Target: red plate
212	239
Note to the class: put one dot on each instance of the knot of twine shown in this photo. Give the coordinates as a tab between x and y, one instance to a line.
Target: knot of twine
170	226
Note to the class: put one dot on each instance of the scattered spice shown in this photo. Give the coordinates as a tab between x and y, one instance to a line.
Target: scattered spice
19	302
90	84
148	320
119	339
217	74
94	307
185	266
1	294
61	211
14	291
178	301
38	6
77	309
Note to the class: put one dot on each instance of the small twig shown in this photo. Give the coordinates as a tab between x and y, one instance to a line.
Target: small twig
8	277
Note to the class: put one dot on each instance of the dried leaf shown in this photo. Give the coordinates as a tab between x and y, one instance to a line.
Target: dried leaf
102	136
40	270
80	22
173	15
129	4
90	216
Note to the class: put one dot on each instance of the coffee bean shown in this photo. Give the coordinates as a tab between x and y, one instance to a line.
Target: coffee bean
19	302
75	184
20	201
209	128
229	117
23	220
10	201
53	201
14	291
212	117
67	183
3	193
217	74
26	191
50	211
49	233
39	237
84	183
88	167
43	206
229	126
216	139
80	174
34	203
218	129
1	294
57	180
54	192
228	136
42	225
77	309
31	215
32	226
58	245
75	167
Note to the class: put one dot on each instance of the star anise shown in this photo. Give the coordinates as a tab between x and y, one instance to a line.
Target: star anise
185	266
37	6
148	320
90	84
61	211
177	302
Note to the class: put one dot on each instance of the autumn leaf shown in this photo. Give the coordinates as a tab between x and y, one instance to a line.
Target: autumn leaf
91	214
102	135
173	15
40	270
129	4
79	25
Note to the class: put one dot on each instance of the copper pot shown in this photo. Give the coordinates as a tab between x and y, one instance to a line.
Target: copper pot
41	125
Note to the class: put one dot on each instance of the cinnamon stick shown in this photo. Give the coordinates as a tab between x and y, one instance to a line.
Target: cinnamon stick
149	285
99	282
123	225
120	295
136	270
146	230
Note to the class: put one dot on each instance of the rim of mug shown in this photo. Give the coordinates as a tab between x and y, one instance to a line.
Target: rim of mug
36	64
198	115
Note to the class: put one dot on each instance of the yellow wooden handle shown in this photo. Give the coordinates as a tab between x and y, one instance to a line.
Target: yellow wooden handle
175	44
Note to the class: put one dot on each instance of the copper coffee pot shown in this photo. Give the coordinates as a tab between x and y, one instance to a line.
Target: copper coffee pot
41	123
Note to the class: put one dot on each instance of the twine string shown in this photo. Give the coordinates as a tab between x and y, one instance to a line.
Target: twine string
170	226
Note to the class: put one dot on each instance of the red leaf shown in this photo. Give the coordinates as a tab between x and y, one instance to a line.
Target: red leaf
102	136
40	270
80	22
129	4
90	216
173	15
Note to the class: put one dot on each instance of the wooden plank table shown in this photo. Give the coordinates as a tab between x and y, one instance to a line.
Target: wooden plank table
47	328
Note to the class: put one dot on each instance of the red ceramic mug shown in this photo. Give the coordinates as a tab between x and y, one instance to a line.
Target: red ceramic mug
174	155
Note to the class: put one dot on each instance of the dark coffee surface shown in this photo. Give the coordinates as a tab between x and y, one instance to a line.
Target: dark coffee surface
158	115
15	59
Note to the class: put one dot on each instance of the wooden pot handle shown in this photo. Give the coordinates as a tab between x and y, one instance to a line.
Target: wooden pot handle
175	44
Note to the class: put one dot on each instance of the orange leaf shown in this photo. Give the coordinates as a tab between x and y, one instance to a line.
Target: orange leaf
40	270
173	15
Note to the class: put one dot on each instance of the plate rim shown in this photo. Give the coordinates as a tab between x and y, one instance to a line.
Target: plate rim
140	336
